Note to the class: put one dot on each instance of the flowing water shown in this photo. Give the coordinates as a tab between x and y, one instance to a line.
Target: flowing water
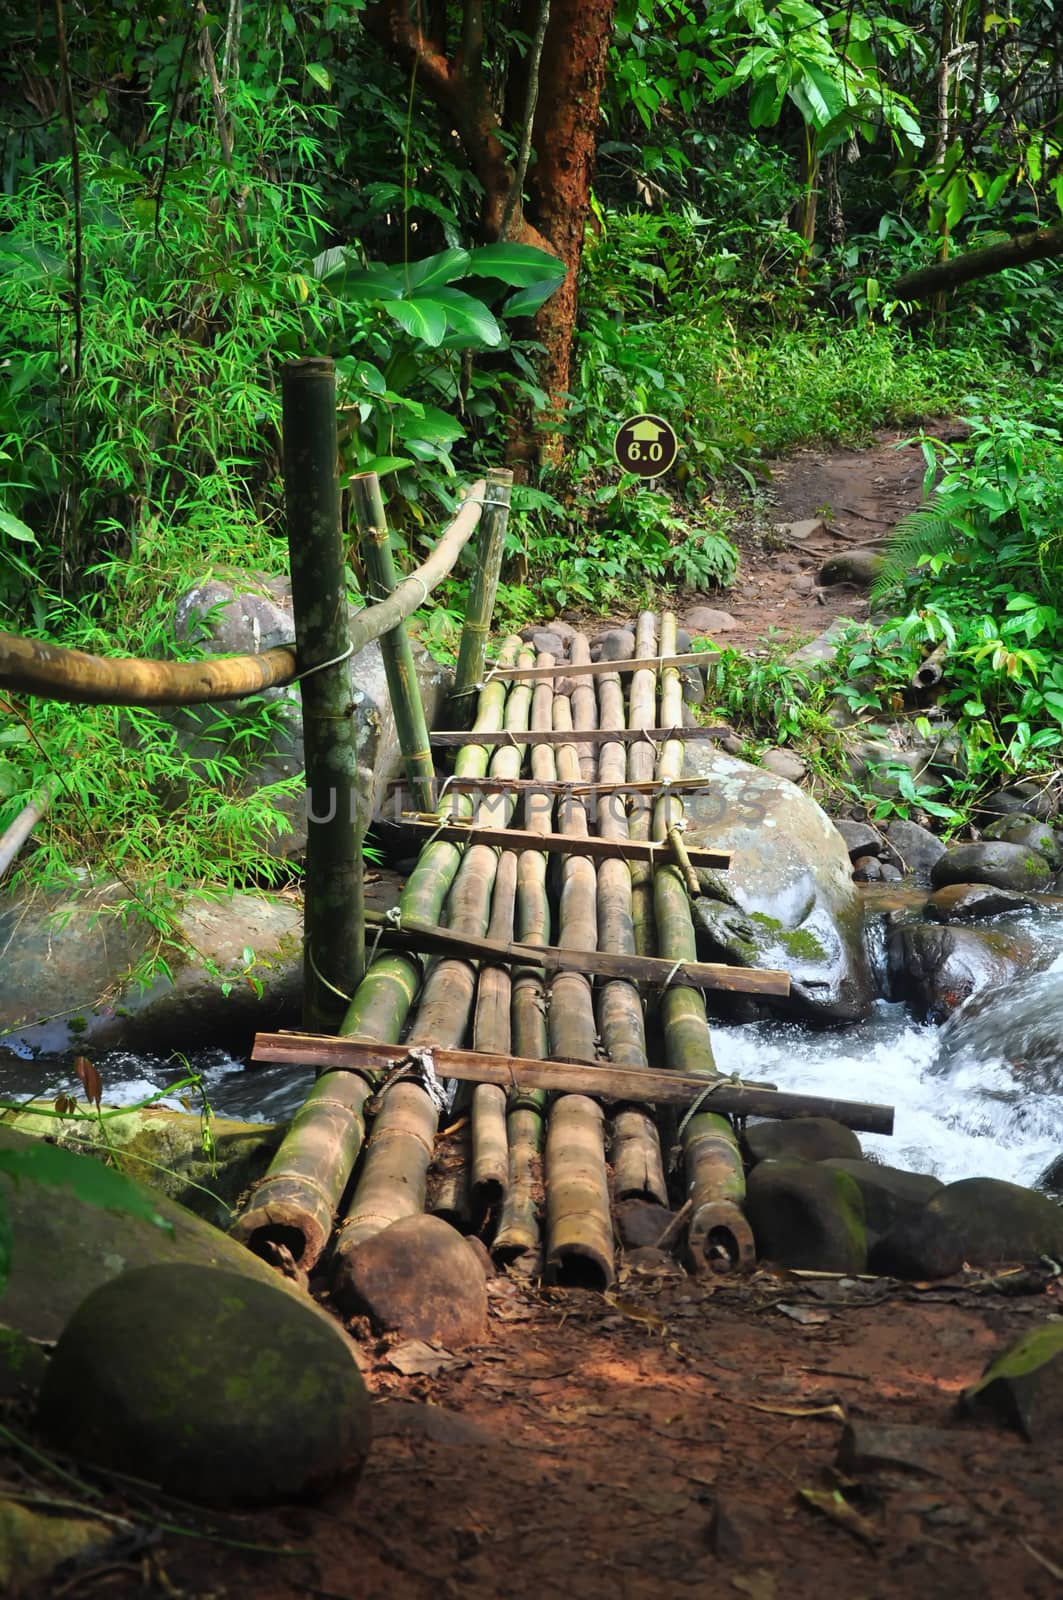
982	1096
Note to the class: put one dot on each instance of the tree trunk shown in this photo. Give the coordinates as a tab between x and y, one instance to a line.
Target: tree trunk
1041	245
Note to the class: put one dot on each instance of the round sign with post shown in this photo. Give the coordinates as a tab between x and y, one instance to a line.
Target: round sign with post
645	445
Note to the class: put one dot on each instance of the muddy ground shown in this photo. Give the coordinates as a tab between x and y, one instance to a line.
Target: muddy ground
675	1434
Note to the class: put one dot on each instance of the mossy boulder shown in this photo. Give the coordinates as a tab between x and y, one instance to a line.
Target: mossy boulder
219	1388
970	902
807	1215
800	1139
935	967
979	1222
1006	866
1031	833
419	1278
890	1193
1023	1385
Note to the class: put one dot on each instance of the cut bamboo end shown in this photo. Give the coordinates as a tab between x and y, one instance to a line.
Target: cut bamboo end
718	1236
579	1240
638	1168
490	1149
518	1239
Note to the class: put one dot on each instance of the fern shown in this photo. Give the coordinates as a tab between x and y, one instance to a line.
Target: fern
922	533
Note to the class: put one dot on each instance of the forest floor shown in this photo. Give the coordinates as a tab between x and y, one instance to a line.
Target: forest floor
676	1433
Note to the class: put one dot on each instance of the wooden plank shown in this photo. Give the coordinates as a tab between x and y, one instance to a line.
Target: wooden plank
696	658
553	786
604	1081
560	844
595	963
585	736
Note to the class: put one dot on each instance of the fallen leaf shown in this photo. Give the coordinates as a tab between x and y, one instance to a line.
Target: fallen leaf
759	1585
805	1315
1049	1566
831	1503
833	1410
90	1079
416	1358
636	1313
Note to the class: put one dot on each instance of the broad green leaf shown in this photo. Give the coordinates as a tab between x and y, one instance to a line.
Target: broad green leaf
370	283
5	1244
89	1180
525	302
469	316
436	425
320	75
382	464
15	528
957	199
433	270
518	264
423	319
765	103
996	189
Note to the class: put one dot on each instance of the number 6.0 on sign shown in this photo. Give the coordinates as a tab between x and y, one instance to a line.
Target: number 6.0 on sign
645	445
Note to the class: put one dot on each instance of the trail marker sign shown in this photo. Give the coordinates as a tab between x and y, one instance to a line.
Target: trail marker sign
645	445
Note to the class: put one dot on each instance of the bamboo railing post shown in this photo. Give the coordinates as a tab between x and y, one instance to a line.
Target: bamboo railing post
479	609
399	665
334	931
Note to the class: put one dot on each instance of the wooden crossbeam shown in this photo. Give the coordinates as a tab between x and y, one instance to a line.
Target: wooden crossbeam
594	963
582	669
655	852
451	740
619	1085
555	786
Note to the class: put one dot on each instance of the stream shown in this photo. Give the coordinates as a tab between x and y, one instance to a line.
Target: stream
962	1108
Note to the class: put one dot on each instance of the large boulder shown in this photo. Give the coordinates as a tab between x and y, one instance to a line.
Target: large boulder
980	1222
248	612
1017	1024
936	967
791	877
800	1139
62	1247
806	1215
418	1278
914	848
1006	866
891	1194
68	972
217	1387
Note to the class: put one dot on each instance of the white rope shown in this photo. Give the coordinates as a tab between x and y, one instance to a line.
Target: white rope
308	672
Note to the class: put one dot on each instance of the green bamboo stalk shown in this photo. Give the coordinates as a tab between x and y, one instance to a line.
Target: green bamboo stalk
395	647
492	1033
578	1228
334	938
490	546
572	1028
641	763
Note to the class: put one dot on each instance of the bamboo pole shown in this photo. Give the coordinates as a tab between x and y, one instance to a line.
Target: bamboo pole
715	1180
35	666
295	1202
633	735
17	832
492	1034
597	849
638	1169
393	1179
399	665
641	766
479	608
579	1234
334	906
517	1239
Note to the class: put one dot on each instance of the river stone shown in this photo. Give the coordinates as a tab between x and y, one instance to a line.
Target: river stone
890	1193
618	644
1051	1179
163	1150
62	1248
564	631
219	1388
983	1222
861	839
1017	1024
935	967
859	567
548	643
791	875
705	622
417	1278
1029	832
967	902
1023	1385
867	869
805	1215
914	848
67	957
1025	798
1006	866
784	764
640	1223
800	1139
249	612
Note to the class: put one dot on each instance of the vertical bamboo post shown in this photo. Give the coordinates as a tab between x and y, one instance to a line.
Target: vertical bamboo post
395	646
334	938
479	609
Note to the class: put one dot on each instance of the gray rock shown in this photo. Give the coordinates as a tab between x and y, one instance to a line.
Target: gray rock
1005	866
418	1278
1025	798
859	567
640	1223
967	902
801	1139
63	1248
219	1388
250	612
890	1194
784	764
889	873
706	621
935	967
804	583
1030	833
1023	1385
68	960
616	645
791	875
807	1216
805	528
914	848
818	655
983	1222
867	869
861	839
547	642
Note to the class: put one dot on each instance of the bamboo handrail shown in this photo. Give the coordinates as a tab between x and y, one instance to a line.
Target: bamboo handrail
652	850
35	666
